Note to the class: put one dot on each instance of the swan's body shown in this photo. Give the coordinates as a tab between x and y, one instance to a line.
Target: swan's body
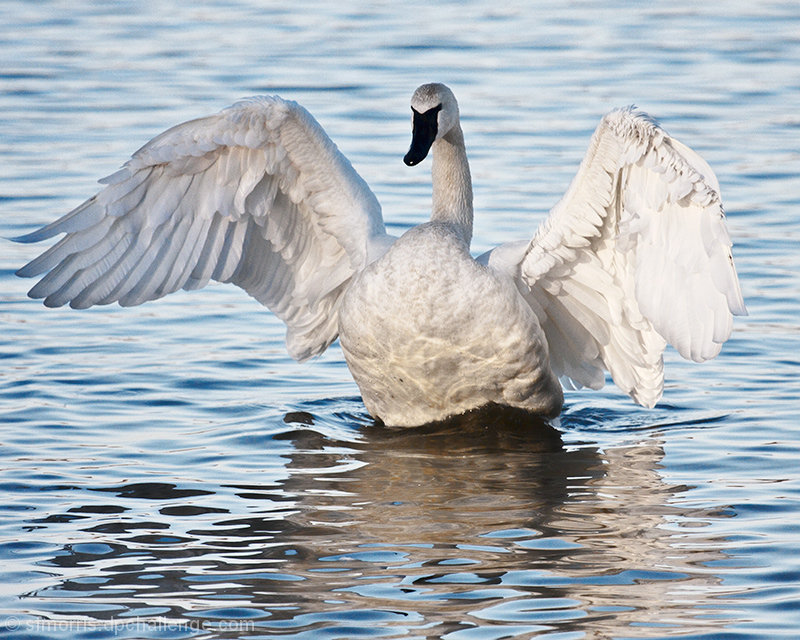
635	253
422	351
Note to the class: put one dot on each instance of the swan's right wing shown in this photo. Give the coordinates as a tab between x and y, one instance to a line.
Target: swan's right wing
636	253
256	195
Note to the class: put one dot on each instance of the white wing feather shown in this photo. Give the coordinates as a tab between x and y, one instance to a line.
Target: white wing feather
635	253
256	195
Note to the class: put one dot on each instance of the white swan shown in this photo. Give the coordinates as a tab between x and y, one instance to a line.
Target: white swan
634	254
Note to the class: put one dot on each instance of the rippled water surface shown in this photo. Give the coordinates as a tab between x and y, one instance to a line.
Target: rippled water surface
168	472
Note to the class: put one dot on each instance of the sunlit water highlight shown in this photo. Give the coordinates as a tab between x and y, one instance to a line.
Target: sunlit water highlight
168	472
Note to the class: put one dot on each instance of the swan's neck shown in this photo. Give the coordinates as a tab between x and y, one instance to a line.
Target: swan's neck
452	184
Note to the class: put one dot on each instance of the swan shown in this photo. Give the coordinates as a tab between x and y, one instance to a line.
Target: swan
635	255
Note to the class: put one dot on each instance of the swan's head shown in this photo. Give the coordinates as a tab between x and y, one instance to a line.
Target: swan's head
435	113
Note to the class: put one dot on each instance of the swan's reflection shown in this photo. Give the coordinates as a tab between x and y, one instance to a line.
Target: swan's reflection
427	531
493	522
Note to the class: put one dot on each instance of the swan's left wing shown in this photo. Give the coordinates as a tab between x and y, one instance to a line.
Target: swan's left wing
635	253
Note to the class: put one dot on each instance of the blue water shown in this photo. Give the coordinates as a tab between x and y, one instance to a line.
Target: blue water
168	472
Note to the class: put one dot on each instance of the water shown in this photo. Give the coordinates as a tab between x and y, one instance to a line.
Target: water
168	472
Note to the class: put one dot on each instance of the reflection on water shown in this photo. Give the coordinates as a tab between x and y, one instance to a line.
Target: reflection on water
423	532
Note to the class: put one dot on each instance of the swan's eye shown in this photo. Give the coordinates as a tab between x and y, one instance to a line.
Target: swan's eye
430	113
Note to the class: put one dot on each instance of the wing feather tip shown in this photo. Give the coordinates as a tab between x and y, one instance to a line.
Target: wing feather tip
45	233
737	306
25	272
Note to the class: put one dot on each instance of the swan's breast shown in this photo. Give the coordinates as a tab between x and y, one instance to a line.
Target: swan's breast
428	332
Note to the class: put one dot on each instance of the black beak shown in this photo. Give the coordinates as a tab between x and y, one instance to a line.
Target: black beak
423	133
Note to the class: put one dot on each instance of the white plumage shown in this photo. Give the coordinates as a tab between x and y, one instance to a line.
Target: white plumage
634	255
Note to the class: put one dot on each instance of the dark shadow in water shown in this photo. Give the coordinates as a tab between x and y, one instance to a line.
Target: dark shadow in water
484	521
492	427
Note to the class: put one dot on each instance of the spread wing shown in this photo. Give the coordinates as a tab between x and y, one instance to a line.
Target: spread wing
636	253
256	195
